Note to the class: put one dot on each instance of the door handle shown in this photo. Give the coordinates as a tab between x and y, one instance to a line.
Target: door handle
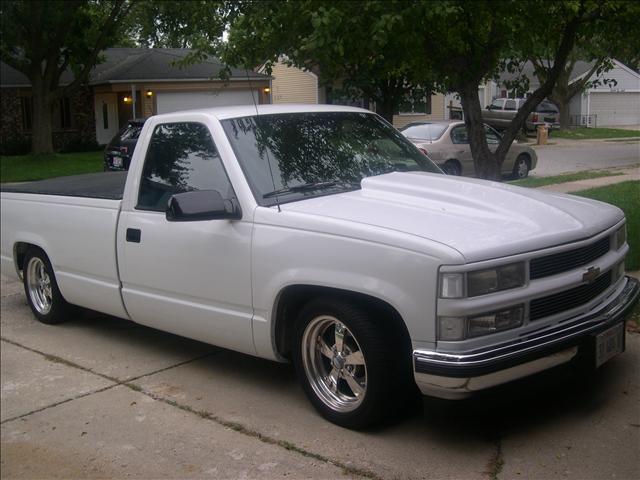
133	235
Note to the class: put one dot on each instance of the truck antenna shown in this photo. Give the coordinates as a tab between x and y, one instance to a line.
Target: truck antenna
266	150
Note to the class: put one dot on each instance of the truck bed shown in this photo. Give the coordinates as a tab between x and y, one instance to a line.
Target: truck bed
107	185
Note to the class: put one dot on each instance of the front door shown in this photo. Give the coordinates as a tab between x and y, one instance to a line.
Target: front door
106	110
191	278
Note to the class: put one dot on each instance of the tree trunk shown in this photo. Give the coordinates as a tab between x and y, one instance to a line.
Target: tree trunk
385	108
484	160
563	106
41	128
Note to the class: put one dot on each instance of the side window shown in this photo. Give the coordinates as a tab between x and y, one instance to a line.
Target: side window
510	105
459	135
491	135
181	157
496	104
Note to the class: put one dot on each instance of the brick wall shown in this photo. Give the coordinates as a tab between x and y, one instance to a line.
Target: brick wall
14	139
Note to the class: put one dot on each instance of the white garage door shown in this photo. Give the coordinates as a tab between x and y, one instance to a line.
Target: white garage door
616	108
176	101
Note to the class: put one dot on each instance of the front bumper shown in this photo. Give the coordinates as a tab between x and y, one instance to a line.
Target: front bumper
457	375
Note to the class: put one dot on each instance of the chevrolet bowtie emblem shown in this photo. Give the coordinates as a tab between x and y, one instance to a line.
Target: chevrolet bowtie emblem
591	274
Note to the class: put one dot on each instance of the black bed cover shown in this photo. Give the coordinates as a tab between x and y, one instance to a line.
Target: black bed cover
109	185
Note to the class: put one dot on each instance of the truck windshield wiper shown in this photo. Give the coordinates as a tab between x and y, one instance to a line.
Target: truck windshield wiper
300	188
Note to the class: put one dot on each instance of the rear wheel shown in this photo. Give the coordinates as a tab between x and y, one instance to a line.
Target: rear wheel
452	167
347	364
521	167
41	288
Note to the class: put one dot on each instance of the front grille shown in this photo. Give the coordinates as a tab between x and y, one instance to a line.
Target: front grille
563	301
564	261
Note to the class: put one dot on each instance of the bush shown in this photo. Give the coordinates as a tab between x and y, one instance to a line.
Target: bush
15	146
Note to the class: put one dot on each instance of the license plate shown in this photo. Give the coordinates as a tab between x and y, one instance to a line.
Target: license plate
609	344
116	161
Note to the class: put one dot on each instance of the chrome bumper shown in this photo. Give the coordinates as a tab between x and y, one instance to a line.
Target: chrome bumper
458	375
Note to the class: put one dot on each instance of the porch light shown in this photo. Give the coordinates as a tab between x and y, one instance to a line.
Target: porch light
149	94
266	90
126	99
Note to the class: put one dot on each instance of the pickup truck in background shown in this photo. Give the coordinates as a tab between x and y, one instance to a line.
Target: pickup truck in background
503	110
320	235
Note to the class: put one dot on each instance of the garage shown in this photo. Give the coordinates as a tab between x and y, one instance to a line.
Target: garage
615	108
175	101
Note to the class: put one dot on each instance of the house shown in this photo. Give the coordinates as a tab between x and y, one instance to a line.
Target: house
130	83
291	84
613	104
610	104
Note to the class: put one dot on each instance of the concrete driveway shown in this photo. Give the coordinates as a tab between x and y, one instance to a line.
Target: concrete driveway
103	397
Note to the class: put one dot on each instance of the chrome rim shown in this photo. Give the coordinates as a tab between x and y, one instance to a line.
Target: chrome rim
334	364
39	285
523	168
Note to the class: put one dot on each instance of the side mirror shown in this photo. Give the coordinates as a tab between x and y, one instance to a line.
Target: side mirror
201	205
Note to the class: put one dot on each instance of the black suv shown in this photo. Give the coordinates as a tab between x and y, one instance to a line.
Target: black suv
117	155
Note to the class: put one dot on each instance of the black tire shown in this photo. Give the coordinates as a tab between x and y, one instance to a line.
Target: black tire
521	167
40	286
387	378
452	167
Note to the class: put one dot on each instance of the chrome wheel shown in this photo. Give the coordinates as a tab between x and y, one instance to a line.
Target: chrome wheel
39	286
334	363
521	169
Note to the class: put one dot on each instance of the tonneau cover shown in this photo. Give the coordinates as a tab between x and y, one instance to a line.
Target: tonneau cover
109	185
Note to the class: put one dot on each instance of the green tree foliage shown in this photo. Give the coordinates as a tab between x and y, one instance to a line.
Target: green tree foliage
357	46
43	39
449	45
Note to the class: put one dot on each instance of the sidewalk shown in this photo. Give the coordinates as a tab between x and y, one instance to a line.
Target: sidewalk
628	174
555	142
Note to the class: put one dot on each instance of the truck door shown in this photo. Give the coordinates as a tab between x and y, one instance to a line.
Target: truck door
191	278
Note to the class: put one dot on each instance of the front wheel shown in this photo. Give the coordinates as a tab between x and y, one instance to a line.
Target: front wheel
452	167
41	288
347	364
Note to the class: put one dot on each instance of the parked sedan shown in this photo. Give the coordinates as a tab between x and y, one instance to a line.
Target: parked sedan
117	155
447	144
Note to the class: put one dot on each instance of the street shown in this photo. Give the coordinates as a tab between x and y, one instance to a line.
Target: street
103	397
565	156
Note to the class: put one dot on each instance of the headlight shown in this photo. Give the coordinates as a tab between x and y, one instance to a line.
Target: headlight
620	237
481	282
459	328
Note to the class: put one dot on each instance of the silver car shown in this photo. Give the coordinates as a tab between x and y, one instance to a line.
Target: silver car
447	144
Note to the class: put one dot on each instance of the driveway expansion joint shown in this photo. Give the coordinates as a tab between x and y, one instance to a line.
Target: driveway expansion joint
239	428
115	381
235	426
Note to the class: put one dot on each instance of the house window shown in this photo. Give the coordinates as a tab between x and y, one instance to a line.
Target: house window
105	116
26	106
62	114
417	102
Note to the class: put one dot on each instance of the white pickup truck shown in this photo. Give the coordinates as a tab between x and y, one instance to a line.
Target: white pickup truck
320	235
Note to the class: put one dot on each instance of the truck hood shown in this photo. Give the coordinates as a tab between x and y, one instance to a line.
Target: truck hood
478	218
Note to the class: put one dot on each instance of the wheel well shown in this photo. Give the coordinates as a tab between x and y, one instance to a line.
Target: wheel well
19	251
293	298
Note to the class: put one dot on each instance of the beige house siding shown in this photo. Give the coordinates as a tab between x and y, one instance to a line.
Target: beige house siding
293	85
437	113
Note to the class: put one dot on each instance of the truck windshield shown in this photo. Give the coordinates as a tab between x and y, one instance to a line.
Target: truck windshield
292	156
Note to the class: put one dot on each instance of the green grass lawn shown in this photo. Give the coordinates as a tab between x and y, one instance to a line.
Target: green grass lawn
567	177
594	133
21	168
625	195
